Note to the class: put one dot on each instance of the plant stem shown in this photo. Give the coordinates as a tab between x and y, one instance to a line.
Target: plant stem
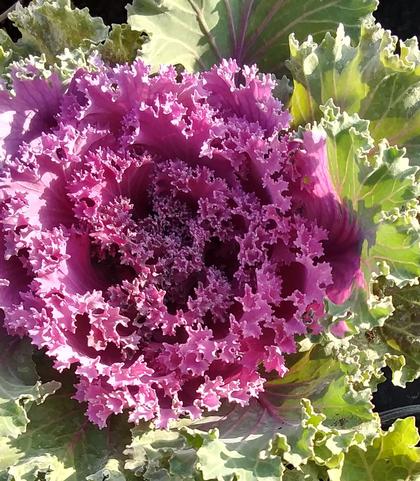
387	417
4	15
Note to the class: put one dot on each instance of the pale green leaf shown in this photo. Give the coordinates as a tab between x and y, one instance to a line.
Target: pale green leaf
159	454
50	26
199	33
401	335
122	44
71	60
7	50
19	385
396	344
239	443
57	36
110	472
61	444
51	40
307	472
392	457
368	78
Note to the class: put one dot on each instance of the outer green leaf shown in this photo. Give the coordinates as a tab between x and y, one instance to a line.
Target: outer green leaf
111	471
392	457
240	444
50	40
307	472
122	44
63	445
19	385
284	426
161	455
401	335
199	33
380	190
6	50
50	26
6	46
369	78
71	60
56	35
324	384
396	344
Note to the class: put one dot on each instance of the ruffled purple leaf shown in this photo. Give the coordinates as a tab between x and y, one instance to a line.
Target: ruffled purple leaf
30	110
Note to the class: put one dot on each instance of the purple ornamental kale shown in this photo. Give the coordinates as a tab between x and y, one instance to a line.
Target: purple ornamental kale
165	234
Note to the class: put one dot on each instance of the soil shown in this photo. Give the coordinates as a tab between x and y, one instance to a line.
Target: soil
402	17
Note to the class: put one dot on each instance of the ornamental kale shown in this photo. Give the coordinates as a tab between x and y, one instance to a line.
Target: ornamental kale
205	266
166	234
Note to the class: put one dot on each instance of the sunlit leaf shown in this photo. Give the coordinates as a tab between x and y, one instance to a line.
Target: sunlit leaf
198	33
